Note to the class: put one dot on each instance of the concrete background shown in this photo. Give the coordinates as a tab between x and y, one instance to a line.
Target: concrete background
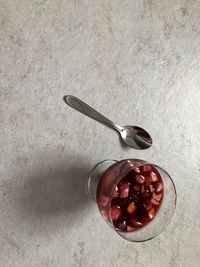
138	62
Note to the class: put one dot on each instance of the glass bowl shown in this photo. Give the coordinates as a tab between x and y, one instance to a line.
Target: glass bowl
135	216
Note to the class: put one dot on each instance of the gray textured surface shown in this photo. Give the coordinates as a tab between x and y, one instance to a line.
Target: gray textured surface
136	61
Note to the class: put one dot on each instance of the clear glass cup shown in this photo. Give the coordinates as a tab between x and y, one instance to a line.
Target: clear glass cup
108	174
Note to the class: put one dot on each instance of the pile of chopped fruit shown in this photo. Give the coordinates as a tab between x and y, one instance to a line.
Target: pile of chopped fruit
135	200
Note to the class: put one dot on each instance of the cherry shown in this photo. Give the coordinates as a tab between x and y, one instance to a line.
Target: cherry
140	179
146	168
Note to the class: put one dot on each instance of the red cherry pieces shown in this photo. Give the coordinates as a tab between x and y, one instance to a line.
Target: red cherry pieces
135	200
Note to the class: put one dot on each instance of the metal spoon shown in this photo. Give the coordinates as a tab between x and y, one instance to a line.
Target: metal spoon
132	136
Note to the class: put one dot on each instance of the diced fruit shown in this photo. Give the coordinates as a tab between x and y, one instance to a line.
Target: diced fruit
155	202
159	187
146	168
153	176
124	190
151	213
131	208
137	170
157	196
103	201
115	192
115	212
135	201
152	189
134	222
139	179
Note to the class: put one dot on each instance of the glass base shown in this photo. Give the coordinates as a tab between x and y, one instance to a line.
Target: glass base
94	176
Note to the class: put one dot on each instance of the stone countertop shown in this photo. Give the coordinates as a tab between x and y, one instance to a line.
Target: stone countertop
138	62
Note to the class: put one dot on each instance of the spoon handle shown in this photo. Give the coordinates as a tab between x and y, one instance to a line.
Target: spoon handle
82	107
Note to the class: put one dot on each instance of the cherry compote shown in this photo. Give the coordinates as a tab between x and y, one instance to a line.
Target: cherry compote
134	201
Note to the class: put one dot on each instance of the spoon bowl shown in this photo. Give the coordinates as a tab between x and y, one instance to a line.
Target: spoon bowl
136	137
